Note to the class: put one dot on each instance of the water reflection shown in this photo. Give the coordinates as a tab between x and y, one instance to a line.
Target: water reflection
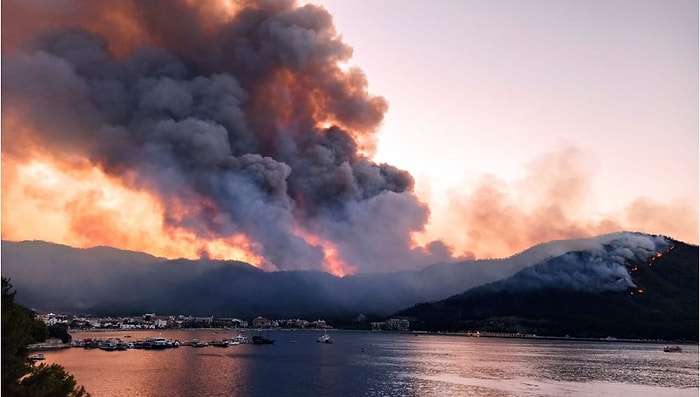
500	367
366	364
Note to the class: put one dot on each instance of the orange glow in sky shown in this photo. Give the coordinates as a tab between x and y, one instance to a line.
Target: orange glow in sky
83	207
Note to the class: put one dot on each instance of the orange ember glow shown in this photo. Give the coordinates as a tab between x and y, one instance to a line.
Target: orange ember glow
295	100
79	205
332	262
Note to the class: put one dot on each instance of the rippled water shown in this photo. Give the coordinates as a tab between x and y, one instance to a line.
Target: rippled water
381	364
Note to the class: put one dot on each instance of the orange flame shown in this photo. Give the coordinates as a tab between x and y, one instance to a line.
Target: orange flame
332	262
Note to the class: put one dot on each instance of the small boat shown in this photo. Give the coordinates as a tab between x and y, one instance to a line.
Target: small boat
121	345
238	339
108	345
220	343
197	343
158	343
261	340
37	357
673	349
325	338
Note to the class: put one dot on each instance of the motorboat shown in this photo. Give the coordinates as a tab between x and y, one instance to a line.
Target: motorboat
220	343
238	339
325	338
261	340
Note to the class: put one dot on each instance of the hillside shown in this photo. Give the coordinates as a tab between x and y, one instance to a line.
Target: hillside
661	302
107	281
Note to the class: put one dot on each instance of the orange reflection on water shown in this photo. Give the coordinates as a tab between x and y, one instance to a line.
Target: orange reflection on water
139	372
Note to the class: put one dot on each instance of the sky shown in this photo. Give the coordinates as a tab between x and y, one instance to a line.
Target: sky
347	136
486	89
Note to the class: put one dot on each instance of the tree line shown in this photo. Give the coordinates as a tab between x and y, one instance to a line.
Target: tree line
22	377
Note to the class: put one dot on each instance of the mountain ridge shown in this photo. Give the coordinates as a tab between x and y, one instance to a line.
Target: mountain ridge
138	283
659	300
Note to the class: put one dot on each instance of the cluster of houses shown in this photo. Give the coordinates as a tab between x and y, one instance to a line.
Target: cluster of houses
153	321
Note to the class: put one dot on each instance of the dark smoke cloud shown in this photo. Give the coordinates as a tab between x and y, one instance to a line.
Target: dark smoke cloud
223	118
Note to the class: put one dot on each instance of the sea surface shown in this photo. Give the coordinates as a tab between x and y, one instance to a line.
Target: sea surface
380	364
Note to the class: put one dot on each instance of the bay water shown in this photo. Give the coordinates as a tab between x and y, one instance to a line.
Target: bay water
380	364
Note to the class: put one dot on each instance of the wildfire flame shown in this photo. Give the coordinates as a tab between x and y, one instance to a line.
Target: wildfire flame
655	257
332	262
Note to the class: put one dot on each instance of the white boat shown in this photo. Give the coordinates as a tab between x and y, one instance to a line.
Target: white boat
238	339
325	338
37	357
159	343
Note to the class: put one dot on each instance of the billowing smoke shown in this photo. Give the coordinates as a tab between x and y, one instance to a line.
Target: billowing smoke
553	200
242	121
599	265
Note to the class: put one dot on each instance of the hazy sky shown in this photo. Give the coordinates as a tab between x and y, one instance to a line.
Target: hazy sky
489	87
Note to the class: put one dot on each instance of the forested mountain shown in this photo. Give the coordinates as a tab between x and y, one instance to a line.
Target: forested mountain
582	294
578	287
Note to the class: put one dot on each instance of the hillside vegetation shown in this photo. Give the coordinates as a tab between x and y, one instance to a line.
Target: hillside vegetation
662	305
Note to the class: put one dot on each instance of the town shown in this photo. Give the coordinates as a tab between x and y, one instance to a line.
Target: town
152	321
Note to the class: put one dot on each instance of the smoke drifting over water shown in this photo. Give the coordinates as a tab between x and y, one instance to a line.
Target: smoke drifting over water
238	119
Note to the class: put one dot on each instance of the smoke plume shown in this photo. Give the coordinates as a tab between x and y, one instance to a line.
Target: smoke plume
600	267
238	118
553	200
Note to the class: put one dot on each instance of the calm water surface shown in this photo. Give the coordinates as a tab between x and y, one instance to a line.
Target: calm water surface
381	364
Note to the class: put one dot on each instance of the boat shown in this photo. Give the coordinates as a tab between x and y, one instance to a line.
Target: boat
108	345
220	343
325	338
37	357
261	340
159	343
121	345
673	349
238	339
